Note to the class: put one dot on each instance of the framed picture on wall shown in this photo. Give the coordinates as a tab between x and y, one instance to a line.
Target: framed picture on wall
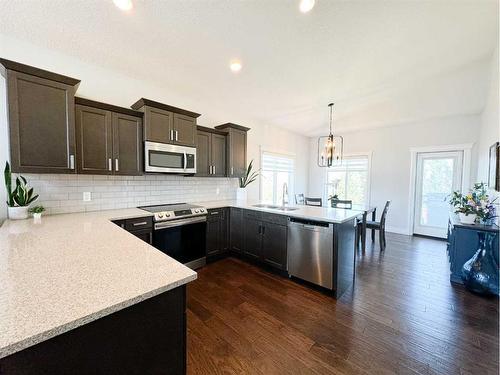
494	167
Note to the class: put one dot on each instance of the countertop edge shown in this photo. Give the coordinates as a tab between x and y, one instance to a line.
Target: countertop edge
56	331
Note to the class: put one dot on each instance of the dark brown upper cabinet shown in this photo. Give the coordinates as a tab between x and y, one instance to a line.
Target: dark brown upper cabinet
210	152
166	124
236	146
109	139
41	119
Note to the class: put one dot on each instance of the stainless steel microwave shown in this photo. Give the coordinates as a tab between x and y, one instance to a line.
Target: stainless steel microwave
165	158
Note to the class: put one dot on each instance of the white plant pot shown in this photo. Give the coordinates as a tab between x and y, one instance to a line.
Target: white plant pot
467	218
37	216
18	213
241	195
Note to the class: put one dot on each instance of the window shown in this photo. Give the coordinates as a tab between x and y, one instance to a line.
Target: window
276	170
351	180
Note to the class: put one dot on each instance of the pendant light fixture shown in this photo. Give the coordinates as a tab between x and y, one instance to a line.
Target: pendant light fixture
331	147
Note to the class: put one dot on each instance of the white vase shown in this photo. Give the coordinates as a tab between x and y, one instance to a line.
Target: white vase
18	212
467	218
241	195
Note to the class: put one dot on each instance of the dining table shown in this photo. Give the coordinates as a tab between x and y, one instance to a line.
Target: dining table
364	211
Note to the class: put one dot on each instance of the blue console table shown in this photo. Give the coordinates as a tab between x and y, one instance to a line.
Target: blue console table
463	244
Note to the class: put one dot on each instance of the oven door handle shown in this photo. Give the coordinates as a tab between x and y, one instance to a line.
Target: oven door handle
177	223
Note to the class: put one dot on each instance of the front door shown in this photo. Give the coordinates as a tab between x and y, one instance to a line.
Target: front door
438	174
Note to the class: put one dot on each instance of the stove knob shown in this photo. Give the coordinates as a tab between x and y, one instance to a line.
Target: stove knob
167	215
160	215
202	210
196	211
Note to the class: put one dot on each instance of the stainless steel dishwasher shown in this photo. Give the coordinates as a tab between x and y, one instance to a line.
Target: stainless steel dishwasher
310	251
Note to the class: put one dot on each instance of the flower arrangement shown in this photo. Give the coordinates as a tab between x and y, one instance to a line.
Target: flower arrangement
475	204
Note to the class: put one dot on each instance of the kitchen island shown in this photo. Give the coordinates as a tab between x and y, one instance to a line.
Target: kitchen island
81	295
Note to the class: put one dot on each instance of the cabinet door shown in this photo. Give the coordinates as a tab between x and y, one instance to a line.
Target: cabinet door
42	124
93	140
274	240
237	153
218	155
236	229
127	145
203	151
146	235
185	130
253	237
213	235
224	231
158	125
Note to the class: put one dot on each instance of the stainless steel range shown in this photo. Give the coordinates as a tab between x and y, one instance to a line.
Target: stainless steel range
180	232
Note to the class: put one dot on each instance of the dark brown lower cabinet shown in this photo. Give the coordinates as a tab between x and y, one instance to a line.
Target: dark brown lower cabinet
217	232
146	338
236	237
141	227
265	238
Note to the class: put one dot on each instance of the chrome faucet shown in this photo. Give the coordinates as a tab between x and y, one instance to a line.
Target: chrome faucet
285	193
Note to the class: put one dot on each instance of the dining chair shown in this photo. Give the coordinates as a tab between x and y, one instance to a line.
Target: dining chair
313	201
342	203
299	198
377	225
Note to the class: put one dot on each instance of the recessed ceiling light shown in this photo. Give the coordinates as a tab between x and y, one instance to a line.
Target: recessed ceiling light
235	65
124	4
306	5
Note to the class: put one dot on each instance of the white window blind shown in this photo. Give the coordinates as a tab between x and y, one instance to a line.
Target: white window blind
276	170
350	180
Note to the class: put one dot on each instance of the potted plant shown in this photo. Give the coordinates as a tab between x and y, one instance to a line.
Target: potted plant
19	198
247	179
37	212
473	205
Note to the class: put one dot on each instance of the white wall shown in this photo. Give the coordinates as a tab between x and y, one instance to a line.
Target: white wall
390	164
490	126
110	87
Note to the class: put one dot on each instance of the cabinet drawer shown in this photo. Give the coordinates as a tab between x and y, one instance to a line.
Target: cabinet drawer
139	223
250	214
275	219
219	213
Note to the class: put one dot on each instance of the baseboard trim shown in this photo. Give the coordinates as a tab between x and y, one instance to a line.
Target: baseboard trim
397	230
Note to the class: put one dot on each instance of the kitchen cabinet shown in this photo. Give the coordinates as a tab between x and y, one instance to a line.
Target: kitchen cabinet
265	238
235	230
167	124
217	232
141	227
236	148
41	119
210	153
109	139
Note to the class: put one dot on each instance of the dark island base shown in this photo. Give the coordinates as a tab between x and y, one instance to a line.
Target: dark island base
146	338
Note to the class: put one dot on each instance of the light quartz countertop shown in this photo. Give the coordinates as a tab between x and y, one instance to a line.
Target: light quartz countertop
71	269
325	214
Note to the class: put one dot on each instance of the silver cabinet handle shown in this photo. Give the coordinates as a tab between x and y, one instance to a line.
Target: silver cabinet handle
185	161
215	169
232	170
72	162
176	135
116	165
110	164
140	223
210	170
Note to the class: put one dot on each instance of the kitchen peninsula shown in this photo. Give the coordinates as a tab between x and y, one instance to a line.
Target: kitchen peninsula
80	295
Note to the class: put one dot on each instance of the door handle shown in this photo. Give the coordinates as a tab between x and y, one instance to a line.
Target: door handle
176	135
232	170
72	162
117	165
185	161
171	135
215	170
110	164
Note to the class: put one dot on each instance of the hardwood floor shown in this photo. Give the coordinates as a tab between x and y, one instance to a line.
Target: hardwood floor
401	317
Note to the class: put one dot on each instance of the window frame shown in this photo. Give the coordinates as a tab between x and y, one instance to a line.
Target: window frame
292	179
368	155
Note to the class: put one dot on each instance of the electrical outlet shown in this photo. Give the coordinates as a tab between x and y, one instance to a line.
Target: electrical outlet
217	191
87	196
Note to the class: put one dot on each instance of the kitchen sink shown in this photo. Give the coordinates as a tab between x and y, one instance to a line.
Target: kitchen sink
274	207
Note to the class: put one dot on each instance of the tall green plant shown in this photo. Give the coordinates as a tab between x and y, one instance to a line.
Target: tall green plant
7	174
22	195
249	176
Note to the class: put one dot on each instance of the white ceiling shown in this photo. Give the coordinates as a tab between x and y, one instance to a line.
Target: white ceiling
381	62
